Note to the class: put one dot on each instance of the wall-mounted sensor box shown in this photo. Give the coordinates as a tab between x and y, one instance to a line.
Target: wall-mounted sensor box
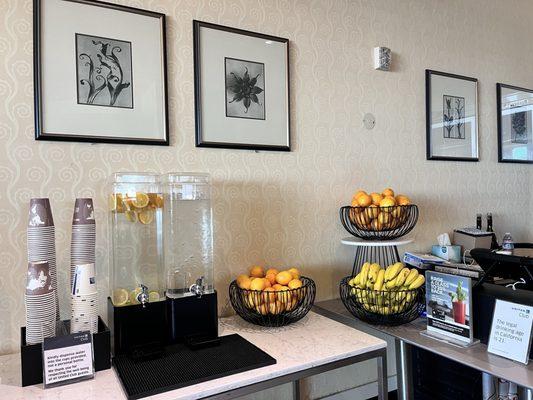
382	58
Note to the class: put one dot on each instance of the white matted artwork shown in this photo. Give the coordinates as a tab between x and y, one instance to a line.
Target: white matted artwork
451	117
515	124
241	88
100	73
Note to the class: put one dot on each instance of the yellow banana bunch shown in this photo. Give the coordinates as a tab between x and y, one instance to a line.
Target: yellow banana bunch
391	284
355	281
402	276
419	281
379	280
364	274
373	272
392	271
411	277
368	287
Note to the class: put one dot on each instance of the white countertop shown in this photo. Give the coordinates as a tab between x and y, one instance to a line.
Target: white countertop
313	341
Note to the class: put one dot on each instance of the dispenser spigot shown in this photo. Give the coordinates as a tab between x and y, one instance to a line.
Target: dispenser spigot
143	296
198	288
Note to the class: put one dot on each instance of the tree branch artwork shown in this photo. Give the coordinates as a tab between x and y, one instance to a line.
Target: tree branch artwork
448	117
459	110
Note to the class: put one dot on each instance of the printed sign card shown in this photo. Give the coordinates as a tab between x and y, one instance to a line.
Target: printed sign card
510	333
67	359
449	307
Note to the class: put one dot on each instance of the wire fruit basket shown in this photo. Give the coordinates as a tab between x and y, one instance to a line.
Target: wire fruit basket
380	307
273	308
379	223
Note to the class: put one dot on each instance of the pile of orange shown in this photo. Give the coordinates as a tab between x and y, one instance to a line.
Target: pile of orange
378	211
271	291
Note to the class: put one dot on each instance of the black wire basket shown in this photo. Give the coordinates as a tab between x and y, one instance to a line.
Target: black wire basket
276	308
380	307
379	223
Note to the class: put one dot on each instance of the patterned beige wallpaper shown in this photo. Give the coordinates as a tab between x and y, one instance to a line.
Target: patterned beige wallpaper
281	208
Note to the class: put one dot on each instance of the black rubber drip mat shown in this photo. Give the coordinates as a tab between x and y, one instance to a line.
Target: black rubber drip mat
180	366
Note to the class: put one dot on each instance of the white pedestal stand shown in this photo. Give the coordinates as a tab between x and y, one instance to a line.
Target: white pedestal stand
383	252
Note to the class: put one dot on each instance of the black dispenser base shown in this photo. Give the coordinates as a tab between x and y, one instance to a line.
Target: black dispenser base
193	320
138	330
181	366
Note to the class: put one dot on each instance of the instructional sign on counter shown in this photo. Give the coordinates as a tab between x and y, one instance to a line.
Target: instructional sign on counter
67	359
510	333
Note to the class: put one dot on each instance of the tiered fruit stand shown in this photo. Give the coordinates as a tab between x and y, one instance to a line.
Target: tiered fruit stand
380	246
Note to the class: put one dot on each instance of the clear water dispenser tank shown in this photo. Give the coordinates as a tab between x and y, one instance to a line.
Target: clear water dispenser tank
187	234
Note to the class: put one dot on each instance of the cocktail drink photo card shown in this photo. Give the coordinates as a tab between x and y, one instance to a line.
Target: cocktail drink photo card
449	306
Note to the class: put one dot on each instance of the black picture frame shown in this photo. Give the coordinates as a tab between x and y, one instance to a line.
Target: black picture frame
200	142
40	134
499	87
428	74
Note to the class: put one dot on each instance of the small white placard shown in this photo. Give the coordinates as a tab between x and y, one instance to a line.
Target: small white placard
67	359
510	334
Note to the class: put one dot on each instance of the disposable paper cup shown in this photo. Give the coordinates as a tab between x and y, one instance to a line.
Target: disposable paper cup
84	280
39	280
40	213
83	212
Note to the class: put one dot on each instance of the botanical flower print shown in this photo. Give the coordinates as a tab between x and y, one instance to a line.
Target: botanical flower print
244	89
104	71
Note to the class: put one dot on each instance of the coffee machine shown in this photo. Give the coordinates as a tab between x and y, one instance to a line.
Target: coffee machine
161	272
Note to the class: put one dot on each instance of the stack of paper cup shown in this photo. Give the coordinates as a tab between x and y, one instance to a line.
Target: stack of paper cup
41	239
83	240
40	300
84	297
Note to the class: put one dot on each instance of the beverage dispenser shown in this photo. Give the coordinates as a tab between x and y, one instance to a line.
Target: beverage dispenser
161	273
136	276
188	257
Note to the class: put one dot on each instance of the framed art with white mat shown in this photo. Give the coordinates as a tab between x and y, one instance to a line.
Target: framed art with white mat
451	117
515	124
99	73
241	88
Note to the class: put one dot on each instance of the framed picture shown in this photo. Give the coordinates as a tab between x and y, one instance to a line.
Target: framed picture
99	73
451	117
241	89
515	124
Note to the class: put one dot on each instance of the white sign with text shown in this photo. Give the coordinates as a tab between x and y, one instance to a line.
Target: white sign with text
68	359
510	334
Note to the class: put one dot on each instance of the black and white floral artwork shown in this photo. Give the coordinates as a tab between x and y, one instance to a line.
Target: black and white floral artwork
519	129
245	89
104	71
453	117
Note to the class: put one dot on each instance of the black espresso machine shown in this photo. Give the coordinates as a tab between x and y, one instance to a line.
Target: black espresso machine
507	277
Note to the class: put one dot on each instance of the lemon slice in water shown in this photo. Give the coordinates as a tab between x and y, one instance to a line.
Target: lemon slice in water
153	296
120	297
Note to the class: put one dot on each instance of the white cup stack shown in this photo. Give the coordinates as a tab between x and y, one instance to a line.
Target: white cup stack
40	299
84	300
83	239
41	240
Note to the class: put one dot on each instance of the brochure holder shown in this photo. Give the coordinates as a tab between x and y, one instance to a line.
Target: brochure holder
447	339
